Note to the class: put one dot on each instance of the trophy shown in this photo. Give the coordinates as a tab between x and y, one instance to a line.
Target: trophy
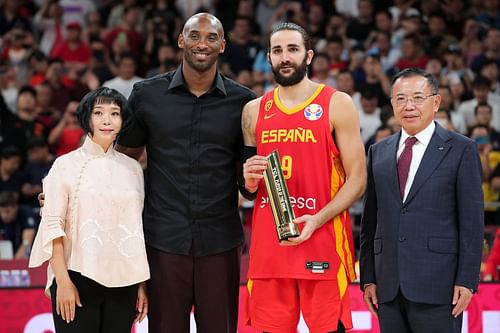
279	199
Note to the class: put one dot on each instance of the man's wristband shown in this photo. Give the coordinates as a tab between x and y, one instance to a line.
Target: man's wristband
246	193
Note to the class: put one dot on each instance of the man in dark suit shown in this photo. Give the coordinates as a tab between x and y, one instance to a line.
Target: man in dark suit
422	226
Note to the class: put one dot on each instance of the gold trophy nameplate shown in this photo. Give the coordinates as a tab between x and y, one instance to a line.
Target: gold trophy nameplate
279	199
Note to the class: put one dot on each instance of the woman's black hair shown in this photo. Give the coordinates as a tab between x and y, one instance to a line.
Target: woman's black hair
102	95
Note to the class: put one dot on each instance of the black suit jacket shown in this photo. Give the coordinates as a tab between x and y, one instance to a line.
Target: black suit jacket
433	240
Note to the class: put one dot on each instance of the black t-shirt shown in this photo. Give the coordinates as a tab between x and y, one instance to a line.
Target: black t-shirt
495	139
13	231
359	31
14	183
16	131
241	57
377	89
13	131
33	174
193	145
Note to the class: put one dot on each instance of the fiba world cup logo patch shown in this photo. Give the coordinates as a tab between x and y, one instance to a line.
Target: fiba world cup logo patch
313	112
268	105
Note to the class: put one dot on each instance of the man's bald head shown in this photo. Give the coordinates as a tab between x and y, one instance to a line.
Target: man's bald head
194	20
202	40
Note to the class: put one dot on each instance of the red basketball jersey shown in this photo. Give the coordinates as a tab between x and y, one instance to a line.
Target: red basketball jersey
313	171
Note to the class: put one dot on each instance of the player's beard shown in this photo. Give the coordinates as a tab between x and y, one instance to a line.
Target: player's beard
297	75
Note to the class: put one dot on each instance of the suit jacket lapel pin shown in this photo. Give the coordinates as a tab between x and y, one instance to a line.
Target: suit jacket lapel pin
441	148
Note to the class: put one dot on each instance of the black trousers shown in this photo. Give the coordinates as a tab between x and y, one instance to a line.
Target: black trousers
103	309
179	282
404	316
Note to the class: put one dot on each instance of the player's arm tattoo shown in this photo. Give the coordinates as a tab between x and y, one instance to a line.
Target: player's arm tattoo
247	128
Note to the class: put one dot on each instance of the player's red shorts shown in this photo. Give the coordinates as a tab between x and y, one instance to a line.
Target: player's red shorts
275	305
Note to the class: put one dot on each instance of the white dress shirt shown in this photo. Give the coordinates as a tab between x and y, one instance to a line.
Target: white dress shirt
466	110
418	150
368	123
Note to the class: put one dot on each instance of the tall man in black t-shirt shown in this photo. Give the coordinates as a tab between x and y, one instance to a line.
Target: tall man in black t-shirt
189	120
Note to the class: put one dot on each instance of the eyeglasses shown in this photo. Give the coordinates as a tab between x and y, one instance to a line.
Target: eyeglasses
401	100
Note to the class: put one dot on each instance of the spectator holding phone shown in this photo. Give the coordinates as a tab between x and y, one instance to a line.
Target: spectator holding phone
67	134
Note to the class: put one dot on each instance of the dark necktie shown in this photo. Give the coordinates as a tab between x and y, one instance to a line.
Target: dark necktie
404	164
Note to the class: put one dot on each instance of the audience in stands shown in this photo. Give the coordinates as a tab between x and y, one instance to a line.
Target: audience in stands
18	224
54	52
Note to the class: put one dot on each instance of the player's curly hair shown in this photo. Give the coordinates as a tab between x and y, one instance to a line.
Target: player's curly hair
293	27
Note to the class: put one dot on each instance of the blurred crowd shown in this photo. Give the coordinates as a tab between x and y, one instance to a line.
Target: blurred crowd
52	52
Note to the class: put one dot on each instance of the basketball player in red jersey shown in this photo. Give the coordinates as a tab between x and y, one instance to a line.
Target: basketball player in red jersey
316	132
